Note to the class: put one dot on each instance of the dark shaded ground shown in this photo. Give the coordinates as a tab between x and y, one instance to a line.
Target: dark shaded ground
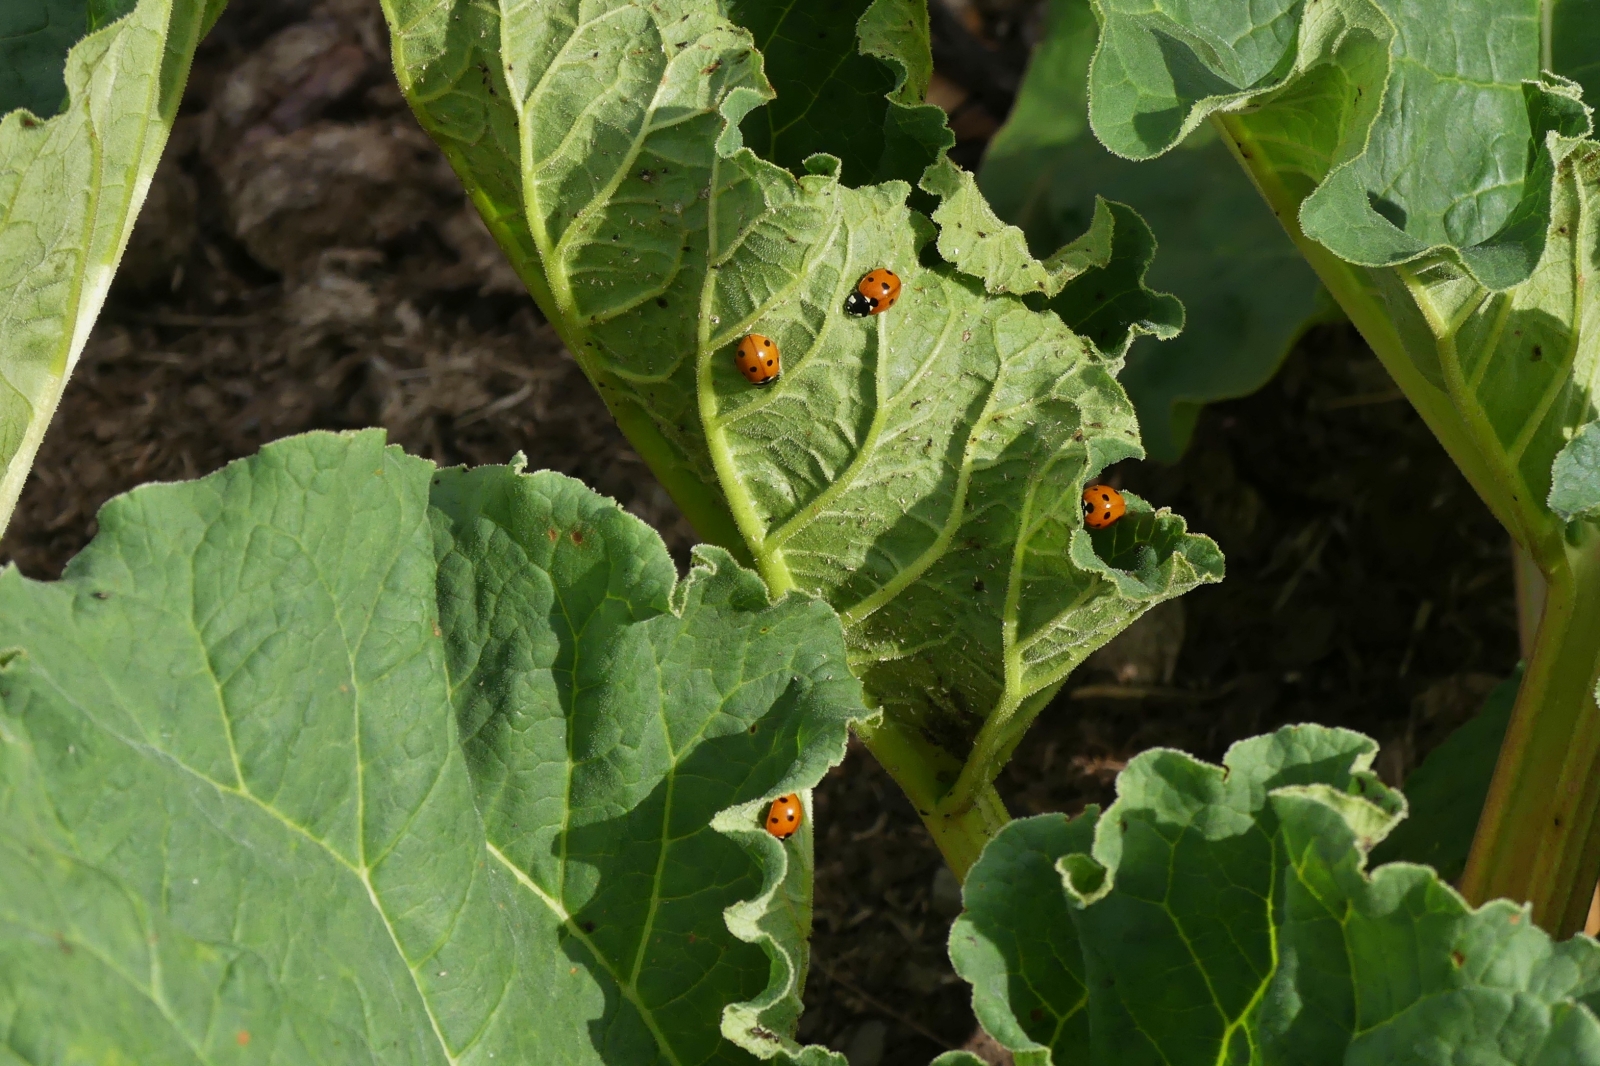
306	260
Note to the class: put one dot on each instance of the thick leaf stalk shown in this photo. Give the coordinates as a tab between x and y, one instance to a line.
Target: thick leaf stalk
1533	844
1440	175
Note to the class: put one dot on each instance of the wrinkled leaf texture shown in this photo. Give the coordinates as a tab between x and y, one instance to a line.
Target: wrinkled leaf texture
1425	147
300	765
1246	290
921	468
1223	914
72	184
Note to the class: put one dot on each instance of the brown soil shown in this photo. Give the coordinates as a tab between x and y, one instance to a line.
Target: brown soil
306	260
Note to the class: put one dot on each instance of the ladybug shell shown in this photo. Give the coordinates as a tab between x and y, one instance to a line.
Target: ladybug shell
1102	505
757	359
785	816
875	293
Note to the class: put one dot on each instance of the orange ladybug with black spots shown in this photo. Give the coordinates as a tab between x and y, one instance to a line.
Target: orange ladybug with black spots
785	816
1102	506
875	293
758	360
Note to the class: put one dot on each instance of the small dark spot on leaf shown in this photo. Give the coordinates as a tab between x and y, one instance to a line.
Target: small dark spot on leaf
1457	958
977	584
646	177
577	536
102	595
661	301
1538	353
553	535
1036	1015
1099	296
61	942
587	927
712	67
753	726
29	123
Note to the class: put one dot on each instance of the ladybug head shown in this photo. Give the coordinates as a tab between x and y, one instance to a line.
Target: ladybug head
857	304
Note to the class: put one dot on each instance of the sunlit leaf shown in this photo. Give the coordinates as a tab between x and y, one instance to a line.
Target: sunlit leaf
920	469
71	185
294	768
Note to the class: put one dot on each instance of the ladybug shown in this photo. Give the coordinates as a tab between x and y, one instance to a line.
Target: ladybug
757	359
1102	505
874	294
785	816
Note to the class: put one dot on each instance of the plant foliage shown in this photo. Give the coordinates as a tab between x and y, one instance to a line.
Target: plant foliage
331	756
1247	292
1438	170
1222	914
71	184
919	469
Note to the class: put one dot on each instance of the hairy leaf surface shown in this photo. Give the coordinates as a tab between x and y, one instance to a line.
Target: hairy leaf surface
1222	914
71	185
1246	291
295	769
920	469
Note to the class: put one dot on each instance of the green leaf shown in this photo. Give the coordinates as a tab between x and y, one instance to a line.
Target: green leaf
294	768
1446	793
1247	292
1444	152
34	38
850	76
1222	914
1575	478
1444	185
919	469
70	187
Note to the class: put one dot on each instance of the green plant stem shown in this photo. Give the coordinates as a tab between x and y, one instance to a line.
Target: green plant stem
1530	592
917	767
1358	298
1539	836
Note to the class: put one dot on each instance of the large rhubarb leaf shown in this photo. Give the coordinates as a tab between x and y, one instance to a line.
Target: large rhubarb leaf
295	769
1222	914
1246	290
920	469
71	185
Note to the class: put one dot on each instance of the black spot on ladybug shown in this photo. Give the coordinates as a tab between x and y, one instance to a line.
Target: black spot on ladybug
769	362
766	344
